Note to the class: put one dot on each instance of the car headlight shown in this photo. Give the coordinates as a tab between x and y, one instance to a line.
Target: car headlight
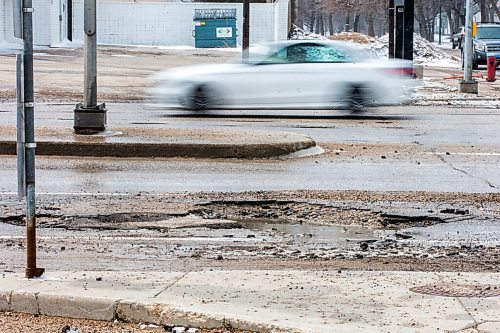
481	47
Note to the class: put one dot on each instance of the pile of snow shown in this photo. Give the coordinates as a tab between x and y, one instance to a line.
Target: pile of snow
424	52
297	33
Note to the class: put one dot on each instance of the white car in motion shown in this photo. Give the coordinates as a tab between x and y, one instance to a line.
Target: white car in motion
302	74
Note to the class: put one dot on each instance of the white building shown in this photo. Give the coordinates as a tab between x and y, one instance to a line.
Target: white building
121	22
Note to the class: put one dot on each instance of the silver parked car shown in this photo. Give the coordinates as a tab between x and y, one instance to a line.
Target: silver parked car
289	75
458	38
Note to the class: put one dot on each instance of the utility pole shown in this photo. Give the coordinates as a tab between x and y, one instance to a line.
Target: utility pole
246	30
90	117
468	85
29	141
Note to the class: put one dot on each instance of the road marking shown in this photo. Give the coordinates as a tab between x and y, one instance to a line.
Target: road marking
132	237
466	154
82	194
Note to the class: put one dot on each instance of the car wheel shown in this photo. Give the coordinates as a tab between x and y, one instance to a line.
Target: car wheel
199	99
358	99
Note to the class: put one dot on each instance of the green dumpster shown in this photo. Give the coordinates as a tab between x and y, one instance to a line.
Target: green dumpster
214	27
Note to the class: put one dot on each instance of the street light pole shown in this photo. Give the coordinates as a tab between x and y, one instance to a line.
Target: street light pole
468	85
29	139
89	116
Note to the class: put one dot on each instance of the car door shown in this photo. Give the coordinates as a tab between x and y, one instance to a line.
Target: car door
320	70
269	82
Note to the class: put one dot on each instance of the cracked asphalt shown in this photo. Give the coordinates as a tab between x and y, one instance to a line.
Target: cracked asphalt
366	200
259	230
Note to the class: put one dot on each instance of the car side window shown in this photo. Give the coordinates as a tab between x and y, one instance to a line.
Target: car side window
308	53
313	53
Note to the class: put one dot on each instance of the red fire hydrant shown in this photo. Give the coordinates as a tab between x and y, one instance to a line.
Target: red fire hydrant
492	67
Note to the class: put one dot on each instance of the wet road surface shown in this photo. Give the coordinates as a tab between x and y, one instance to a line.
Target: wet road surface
418	173
394	148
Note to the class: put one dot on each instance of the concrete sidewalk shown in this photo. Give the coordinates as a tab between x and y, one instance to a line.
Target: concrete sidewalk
267	301
160	142
449	78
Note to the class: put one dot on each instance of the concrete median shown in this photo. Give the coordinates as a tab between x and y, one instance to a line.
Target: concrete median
137	142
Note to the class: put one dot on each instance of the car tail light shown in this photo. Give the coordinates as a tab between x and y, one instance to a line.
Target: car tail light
404	72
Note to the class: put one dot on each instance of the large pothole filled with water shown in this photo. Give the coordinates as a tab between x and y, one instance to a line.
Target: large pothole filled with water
235	232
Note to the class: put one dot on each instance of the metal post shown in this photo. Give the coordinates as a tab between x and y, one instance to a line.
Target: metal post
246	30
90	117
90	66
69	11
30	145
468	85
468	42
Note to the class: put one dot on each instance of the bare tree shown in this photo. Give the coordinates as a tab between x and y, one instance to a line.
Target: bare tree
425	14
494	6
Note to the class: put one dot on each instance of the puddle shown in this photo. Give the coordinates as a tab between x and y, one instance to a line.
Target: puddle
485	232
312	236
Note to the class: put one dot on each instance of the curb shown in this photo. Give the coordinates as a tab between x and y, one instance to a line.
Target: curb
459	99
209	150
109	309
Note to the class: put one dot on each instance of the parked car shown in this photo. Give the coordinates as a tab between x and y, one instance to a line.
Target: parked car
485	43
289	74
457	38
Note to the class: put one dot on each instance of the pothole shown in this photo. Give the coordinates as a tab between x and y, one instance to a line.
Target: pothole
317	213
293	212
312	236
466	232
397	221
458	290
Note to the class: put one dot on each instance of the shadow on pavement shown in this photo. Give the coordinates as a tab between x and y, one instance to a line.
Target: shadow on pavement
228	115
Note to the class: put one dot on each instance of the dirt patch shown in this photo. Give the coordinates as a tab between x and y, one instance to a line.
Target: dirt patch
123	72
21	323
355	37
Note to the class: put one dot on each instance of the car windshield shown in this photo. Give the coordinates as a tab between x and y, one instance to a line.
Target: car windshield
488	32
303	53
